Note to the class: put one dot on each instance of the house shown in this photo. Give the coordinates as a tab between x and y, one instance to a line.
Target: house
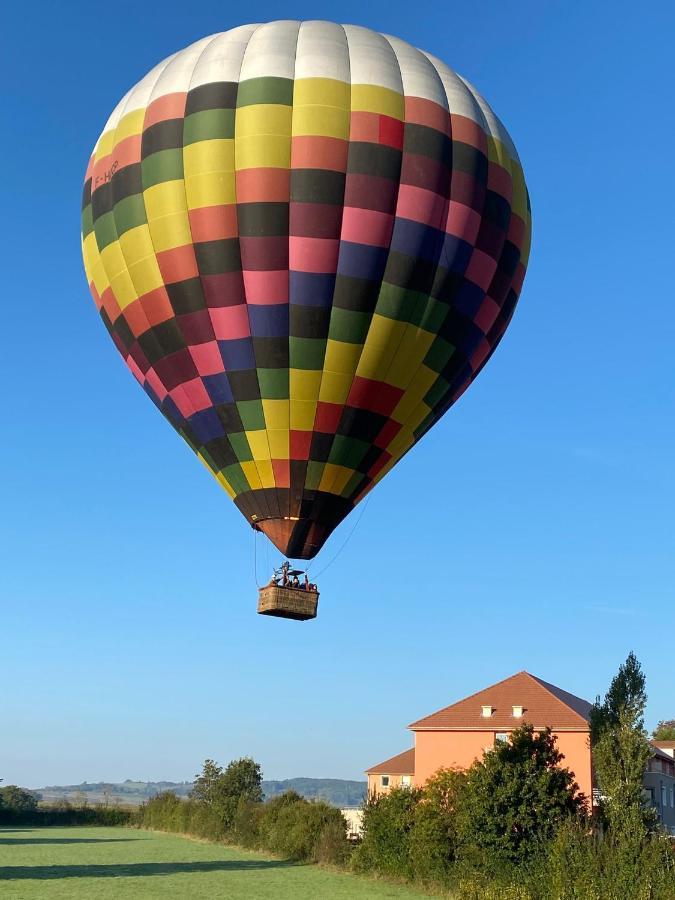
454	737
395	772
660	782
459	734
666	747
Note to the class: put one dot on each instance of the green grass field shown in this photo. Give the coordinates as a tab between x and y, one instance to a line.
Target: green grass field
121	863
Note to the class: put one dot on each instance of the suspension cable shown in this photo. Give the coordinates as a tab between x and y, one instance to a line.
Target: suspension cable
346	541
255	556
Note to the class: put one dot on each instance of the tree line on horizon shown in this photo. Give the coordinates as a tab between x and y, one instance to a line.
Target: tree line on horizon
336	791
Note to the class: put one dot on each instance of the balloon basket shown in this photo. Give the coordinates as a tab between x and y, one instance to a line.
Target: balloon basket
287	602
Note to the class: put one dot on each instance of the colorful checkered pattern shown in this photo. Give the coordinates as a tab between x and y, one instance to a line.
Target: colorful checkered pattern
306	240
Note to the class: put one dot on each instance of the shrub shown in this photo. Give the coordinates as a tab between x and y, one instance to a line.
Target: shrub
17	799
246	828
300	830
65	814
515	798
388	820
332	846
433	836
288	825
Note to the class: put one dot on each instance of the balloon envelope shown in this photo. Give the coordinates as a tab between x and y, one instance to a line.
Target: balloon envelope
305	239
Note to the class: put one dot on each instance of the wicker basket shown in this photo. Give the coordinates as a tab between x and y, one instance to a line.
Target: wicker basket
287	603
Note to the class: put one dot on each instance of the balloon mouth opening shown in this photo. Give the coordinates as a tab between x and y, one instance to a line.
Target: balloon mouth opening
295	537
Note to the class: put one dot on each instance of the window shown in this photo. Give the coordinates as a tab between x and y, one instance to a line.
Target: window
664	801
486	711
384	781
517	712
501	737
406	780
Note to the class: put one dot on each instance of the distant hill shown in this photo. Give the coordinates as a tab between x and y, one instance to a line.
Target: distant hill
335	791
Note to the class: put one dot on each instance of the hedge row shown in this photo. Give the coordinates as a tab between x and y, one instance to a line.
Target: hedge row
287	825
43	816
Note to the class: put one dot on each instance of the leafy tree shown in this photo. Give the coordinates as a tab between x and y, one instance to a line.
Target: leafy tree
516	797
621	751
243	778
223	789
665	730
205	786
18	799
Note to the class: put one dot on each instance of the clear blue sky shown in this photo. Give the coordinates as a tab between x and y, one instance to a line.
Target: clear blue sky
532	528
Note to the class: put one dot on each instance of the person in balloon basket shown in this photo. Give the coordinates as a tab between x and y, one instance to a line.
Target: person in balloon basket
280	579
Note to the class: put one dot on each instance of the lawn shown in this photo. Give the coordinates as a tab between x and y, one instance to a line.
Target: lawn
120	863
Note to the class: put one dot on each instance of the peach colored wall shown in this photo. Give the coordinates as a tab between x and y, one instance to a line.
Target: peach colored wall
375	784
575	748
435	750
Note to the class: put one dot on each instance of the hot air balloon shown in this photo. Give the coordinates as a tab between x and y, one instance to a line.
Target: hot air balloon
306	240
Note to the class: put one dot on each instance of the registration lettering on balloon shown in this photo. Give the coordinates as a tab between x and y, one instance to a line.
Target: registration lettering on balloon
106	176
306	240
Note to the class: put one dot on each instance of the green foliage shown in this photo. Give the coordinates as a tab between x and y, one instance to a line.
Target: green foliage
515	798
581	865
665	730
205	787
17	799
621	751
433	838
65	814
288	825
300	830
388	820
222	790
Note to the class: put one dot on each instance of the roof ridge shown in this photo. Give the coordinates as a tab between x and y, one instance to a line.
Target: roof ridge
547	685
471	696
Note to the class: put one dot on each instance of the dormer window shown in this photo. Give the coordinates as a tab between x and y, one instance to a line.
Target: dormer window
517	712
486	711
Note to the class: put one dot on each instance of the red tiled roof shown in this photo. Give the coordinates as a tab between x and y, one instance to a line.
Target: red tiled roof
664	745
403	764
543	705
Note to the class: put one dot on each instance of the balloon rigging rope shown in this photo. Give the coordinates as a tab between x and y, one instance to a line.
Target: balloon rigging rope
346	540
255	557
328	564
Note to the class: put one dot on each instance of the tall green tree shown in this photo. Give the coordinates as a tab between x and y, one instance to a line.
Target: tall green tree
516	797
621	751
665	730
18	799
224	789
206	782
